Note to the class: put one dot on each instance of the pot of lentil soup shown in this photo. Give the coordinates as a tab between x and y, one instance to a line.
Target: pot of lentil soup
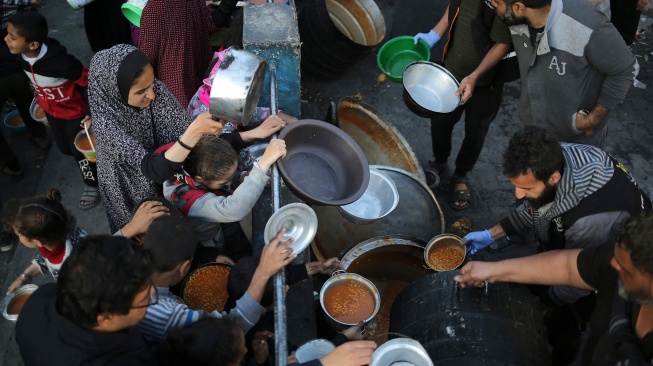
206	287
444	252
348	298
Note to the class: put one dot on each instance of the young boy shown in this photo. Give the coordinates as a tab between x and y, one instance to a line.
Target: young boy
60	81
172	243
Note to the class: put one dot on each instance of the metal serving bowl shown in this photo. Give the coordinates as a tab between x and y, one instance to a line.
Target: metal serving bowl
7	301
323	165
339	278
431	87
444	240
237	86
380	198
401	351
300	222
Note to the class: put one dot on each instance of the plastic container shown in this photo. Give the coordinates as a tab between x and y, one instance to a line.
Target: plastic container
132	10
399	52
84	146
37	112
14	122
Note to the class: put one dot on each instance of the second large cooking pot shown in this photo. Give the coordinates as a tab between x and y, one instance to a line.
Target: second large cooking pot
323	165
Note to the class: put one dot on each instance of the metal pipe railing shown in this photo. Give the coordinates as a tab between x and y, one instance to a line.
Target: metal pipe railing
280	334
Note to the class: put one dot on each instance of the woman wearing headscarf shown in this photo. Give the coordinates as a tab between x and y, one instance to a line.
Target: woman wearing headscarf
133	114
174	34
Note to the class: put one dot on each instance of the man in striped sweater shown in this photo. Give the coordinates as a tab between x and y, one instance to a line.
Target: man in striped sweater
573	197
172	243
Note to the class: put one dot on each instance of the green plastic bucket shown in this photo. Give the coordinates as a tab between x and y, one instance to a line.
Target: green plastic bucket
398	53
132	10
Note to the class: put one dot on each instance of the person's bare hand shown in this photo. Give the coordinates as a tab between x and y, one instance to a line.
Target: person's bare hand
146	213
466	89
270	126
585	124
354	353
260	345
291	359
35	3
641	5
287	118
475	274
353	333
204	124
275	255
16	284
87	121
330	265
224	259
275	150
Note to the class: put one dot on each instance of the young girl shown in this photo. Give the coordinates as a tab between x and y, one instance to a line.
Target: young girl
42	222
203	191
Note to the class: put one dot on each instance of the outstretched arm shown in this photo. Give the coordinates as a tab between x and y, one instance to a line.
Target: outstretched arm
556	267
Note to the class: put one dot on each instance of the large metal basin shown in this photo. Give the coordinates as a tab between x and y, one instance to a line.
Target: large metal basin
417	214
379	139
392	263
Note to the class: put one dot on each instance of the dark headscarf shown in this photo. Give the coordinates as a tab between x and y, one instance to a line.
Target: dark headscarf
131	65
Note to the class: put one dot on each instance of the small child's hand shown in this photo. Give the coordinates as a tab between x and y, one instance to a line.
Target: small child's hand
275	150
287	118
87	121
260	346
270	126
224	259
275	256
146	213
204	124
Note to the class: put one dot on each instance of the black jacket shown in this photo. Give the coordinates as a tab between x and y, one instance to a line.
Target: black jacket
45	337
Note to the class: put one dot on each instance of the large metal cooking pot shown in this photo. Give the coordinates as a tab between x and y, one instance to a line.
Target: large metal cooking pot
323	165
237	86
430	87
375	133
417	214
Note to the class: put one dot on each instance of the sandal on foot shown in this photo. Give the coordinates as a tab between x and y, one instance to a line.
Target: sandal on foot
461	195
90	195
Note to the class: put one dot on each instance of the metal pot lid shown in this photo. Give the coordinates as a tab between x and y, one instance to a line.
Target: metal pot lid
314	350
300	222
401	351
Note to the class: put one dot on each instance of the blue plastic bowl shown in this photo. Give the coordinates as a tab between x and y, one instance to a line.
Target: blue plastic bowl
12	123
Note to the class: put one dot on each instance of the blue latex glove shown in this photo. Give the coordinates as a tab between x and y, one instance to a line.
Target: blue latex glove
478	240
431	38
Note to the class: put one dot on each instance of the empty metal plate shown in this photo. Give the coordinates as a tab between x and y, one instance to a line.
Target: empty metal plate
300	222
431	86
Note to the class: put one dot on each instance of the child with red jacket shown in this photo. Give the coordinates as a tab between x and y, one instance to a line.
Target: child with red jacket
60	81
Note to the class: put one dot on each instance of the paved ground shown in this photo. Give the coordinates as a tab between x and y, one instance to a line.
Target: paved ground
629	139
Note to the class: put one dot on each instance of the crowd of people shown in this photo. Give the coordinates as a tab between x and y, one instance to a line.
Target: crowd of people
175	183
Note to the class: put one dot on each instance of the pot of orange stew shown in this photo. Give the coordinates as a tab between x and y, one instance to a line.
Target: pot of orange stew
206	287
348	298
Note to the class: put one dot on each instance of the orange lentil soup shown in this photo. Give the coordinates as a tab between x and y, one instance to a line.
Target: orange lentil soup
39	113
16	304
15	121
206	288
349	303
84	144
445	258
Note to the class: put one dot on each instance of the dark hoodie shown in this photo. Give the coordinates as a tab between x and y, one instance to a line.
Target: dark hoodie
45	337
60	80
